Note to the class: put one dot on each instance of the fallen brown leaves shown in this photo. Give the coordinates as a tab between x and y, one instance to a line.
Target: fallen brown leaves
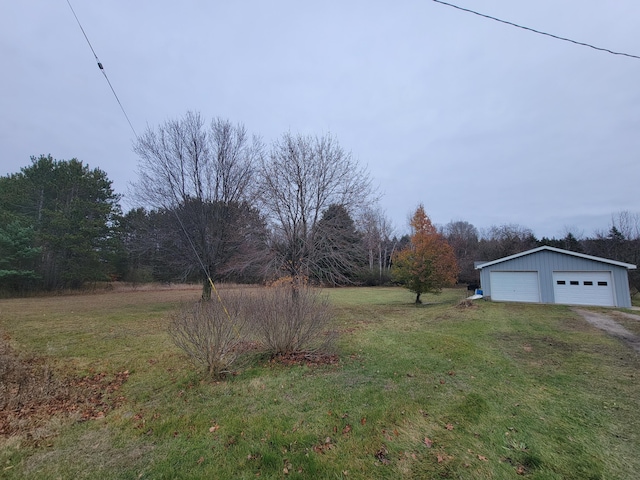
305	358
31	392
466	303
381	455
324	446
443	457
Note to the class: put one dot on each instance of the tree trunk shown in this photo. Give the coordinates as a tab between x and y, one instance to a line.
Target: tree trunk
206	289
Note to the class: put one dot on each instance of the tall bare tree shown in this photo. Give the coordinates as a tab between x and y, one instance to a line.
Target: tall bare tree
504	240
376	231
463	238
299	180
627	223
204	175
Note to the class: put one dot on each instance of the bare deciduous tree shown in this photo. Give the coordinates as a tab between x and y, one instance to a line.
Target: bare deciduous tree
463	238
204	175
504	240
299	180
376	232
627	223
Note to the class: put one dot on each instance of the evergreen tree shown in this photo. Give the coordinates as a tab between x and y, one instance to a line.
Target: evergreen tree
72	212
339	252
17	257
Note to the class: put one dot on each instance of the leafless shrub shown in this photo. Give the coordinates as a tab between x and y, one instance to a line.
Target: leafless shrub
292	319
212	333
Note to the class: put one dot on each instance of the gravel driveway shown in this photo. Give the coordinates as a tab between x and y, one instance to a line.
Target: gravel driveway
608	324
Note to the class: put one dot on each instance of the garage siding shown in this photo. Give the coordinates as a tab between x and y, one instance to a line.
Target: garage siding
545	262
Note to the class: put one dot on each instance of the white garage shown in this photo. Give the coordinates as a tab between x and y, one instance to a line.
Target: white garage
552	275
515	286
583	288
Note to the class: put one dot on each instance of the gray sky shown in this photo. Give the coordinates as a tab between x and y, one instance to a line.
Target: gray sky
477	120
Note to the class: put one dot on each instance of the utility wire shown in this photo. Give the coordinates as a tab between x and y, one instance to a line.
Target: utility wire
102	69
538	31
204	269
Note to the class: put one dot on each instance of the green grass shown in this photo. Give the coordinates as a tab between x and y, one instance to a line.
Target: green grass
495	389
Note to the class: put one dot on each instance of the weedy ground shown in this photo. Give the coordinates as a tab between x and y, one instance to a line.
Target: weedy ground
447	389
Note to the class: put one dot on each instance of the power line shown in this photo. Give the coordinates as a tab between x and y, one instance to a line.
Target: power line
204	269
537	31
195	251
102	70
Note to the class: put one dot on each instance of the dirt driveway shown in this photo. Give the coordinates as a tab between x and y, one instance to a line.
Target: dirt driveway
608	324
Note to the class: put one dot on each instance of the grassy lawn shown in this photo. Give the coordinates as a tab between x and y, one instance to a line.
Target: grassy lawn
492	391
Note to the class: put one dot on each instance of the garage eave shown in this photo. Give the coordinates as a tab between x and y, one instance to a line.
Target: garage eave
628	266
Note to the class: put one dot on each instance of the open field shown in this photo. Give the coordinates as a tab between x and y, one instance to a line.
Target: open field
493	391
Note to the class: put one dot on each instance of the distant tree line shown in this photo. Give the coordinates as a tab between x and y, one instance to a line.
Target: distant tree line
620	241
216	203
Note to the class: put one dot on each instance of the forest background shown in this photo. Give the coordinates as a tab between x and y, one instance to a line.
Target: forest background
218	203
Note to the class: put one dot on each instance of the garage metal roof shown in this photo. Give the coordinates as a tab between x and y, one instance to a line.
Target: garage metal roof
628	266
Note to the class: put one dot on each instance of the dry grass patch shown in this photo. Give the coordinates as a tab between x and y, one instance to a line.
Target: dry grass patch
96	453
630	321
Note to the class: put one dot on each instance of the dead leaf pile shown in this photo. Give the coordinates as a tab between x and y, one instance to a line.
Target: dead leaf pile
305	358
31	393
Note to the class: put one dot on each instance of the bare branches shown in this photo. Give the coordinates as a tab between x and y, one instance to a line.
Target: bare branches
211	334
203	176
300	179
202	172
271	320
377	231
182	159
289	323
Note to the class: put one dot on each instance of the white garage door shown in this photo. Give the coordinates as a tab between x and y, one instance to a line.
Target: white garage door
515	286
583	288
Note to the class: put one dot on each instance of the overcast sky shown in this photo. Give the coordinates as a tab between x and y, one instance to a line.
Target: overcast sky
477	120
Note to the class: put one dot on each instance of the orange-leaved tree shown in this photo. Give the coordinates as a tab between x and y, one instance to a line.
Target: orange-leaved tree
428	263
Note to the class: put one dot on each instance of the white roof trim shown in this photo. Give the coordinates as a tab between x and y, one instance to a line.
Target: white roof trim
628	266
